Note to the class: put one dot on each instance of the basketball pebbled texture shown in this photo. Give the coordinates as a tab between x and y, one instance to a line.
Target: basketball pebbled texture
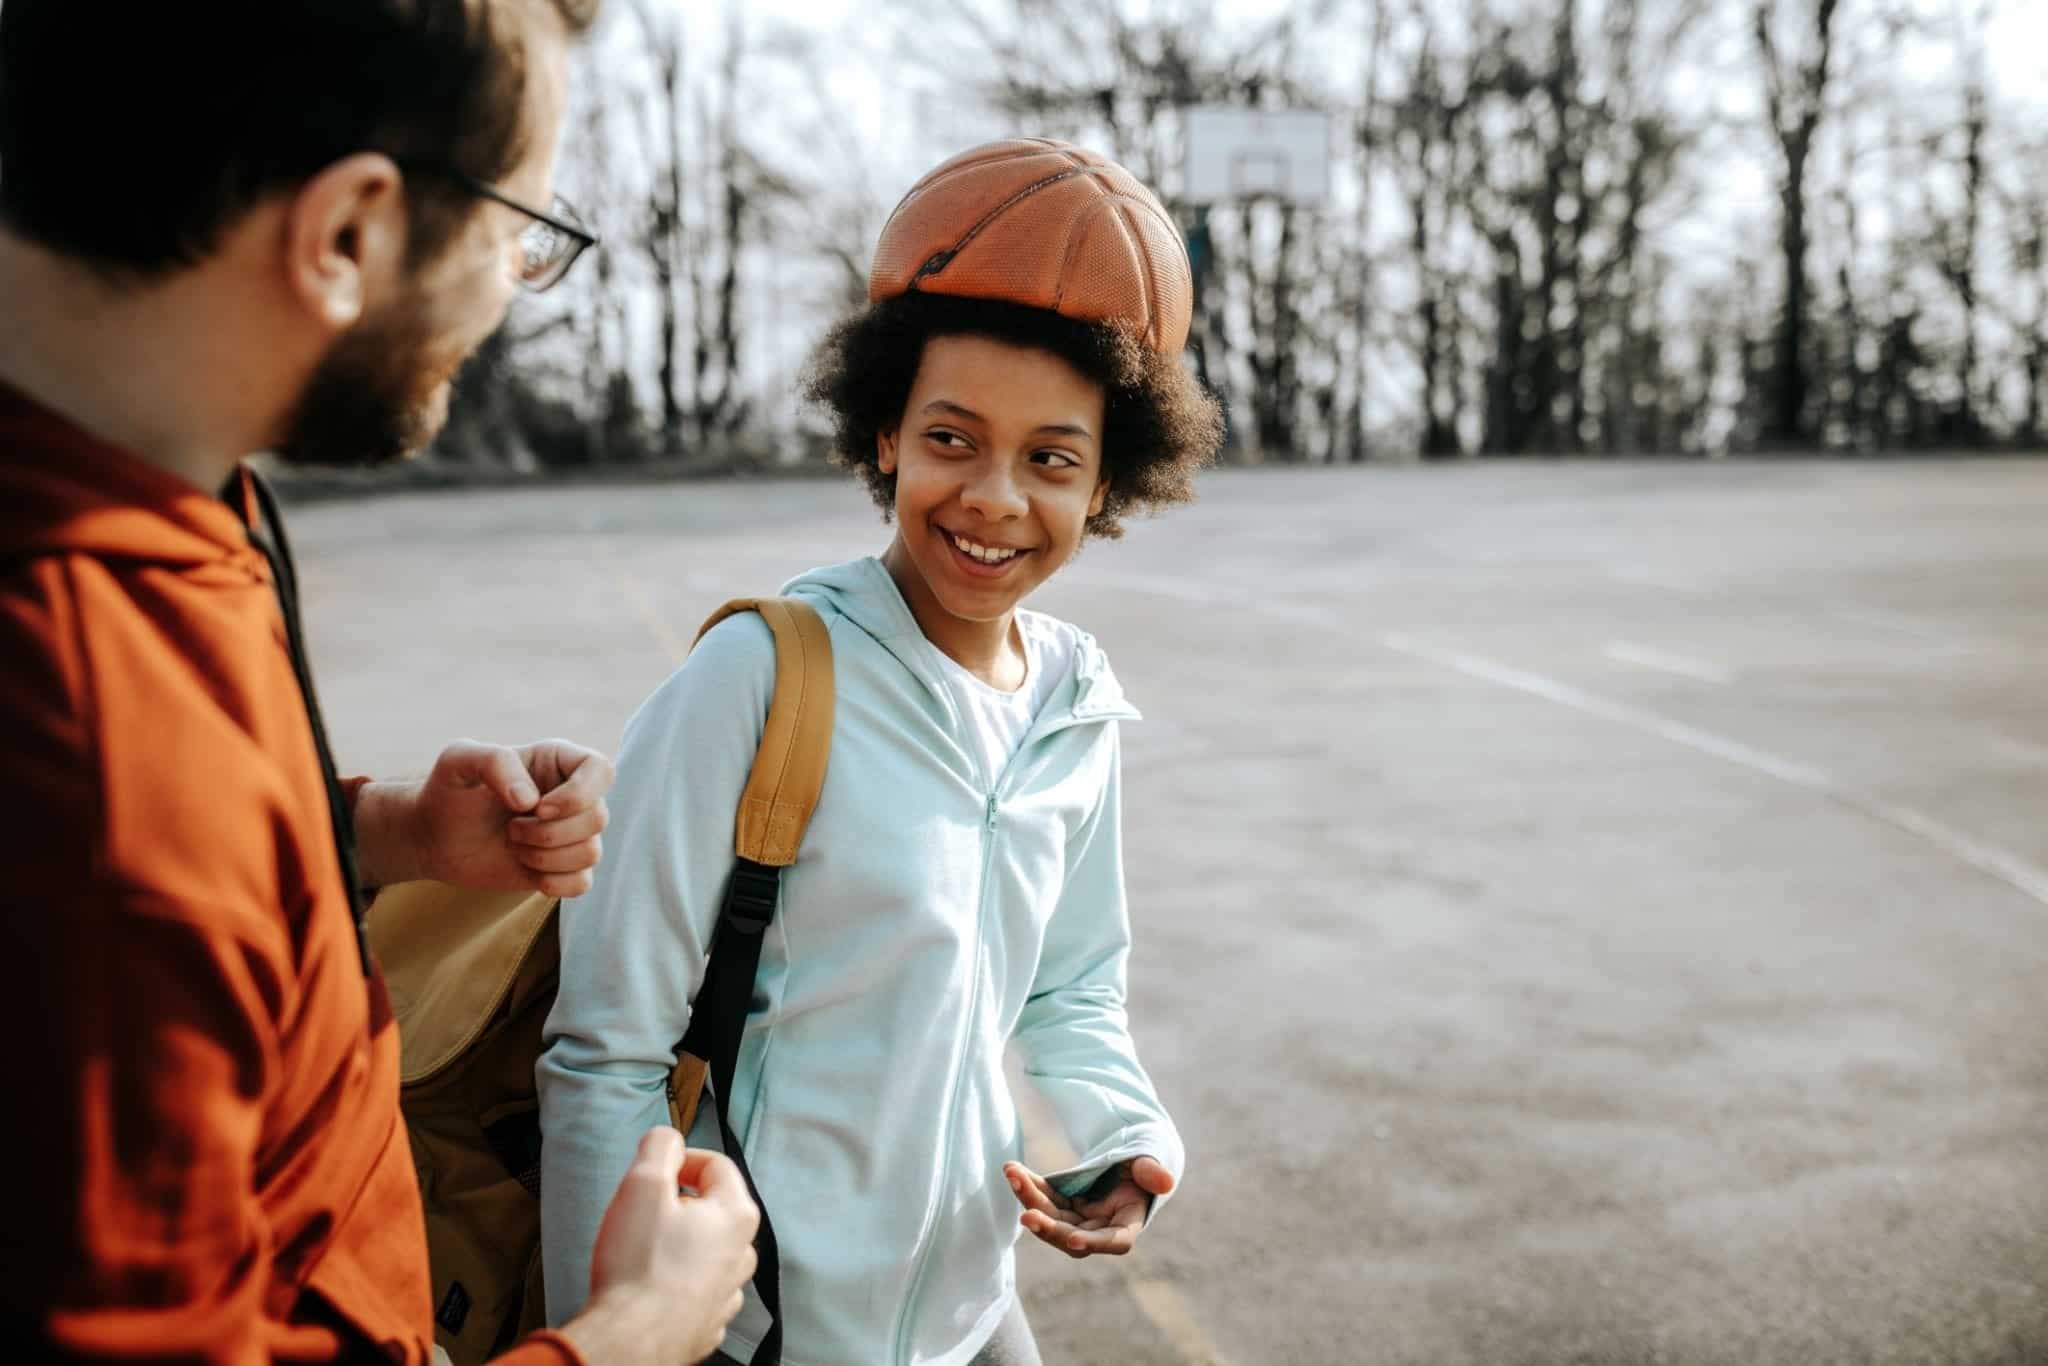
1045	224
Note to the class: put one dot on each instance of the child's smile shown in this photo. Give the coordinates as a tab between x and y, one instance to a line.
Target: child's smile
981	557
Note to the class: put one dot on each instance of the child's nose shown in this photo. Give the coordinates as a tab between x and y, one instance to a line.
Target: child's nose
992	491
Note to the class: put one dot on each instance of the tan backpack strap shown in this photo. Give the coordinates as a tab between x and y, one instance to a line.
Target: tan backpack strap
789	767
775	808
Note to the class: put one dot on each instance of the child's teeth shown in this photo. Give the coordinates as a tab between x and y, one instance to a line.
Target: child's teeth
986	554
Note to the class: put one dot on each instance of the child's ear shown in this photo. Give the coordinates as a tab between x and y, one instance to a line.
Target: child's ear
1101	497
885	451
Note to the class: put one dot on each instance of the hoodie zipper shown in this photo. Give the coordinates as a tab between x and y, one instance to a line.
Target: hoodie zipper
927	1233
926	1237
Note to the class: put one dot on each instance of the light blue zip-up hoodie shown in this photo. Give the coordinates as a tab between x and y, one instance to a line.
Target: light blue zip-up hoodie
935	913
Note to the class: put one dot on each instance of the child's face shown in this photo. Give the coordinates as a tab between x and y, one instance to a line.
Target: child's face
998	465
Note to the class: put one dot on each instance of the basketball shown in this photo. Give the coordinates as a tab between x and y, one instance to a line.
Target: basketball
1045	224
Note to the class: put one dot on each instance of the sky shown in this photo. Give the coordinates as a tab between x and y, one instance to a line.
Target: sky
2019	32
862	116
2017	49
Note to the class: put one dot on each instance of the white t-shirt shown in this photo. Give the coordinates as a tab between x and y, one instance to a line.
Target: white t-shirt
998	721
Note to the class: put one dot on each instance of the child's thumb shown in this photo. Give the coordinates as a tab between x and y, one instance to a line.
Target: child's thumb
1152	1178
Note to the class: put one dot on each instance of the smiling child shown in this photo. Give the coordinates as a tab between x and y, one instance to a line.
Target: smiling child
1014	388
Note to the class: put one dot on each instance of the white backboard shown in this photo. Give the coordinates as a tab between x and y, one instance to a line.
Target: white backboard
1233	153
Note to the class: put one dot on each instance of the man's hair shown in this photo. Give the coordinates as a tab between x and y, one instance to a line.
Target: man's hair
1159	426
133	134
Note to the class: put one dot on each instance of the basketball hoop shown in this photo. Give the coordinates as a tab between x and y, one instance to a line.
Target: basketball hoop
1234	153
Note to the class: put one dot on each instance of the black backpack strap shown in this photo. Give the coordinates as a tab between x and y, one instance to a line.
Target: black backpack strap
717	1022
267	535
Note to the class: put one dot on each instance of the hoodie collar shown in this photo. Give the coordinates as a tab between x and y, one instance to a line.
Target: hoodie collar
863	591
66	491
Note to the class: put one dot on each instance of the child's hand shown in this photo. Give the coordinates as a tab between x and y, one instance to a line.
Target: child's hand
1106	1221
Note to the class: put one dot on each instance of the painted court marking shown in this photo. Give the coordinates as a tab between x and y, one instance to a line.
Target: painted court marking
2007	867
1645	657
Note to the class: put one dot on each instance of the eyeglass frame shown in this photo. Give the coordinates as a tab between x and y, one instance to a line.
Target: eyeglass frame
582	238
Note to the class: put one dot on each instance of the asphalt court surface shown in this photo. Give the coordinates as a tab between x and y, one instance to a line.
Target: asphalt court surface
1585	913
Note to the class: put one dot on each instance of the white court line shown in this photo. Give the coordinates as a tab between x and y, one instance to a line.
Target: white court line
2007	867
1642	656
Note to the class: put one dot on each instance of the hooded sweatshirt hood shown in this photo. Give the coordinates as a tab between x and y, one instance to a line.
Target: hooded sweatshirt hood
65	491
864	592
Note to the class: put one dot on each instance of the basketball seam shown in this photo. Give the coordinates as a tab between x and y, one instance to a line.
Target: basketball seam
1076	165
1084	167
1158	211
952	253
939	177
1155	323
1094	211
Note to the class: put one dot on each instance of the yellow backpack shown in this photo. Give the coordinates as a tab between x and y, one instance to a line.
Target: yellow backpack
472	976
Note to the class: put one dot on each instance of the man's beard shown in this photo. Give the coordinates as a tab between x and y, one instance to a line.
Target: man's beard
377	397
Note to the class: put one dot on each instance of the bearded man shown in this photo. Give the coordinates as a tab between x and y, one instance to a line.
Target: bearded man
227	228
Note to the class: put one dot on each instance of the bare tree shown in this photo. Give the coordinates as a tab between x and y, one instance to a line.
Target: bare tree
1795	102
661	237
1430	156
1351	443
607	378
2025	210
1956	233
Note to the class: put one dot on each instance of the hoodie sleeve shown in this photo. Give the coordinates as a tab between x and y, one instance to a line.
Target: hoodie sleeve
633	947
1074	1034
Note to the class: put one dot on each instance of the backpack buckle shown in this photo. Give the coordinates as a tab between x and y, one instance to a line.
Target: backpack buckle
750	896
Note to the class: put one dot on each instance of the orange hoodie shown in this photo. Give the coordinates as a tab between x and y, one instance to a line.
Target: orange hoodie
205	1157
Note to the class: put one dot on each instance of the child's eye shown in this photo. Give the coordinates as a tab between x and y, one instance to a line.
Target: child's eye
939	436
1059	460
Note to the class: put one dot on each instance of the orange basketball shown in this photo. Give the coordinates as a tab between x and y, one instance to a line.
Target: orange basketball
1045	224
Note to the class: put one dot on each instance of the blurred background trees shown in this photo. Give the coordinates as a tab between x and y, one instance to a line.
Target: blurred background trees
1557	227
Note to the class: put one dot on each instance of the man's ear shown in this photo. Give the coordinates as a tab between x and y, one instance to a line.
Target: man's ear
1101	496
345	236
885	451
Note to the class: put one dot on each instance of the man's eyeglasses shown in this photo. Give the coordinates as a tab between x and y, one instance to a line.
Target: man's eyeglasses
550	242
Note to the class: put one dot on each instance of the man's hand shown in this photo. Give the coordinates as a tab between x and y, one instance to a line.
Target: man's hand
490	817
668	1270
1105	1222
